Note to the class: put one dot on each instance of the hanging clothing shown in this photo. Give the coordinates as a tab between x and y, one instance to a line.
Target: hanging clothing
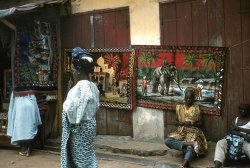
23	118
189	133
79	126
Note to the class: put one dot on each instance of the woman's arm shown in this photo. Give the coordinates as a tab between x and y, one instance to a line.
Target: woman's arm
239	133
247	131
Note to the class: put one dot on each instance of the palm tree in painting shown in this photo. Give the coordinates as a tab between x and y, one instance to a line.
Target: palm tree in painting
209	60
112	61
147	58
191	59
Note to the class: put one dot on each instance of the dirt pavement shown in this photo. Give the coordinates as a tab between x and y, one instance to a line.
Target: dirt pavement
40	159
112	152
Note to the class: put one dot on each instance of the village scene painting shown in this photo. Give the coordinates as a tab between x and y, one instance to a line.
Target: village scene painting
163	74
112	76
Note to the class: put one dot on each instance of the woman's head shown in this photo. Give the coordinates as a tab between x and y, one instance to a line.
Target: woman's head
189	96
82	61
244	109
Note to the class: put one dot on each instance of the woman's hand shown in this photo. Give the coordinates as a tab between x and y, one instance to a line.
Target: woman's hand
235	128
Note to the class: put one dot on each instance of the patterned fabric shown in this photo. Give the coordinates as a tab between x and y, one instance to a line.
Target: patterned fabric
77	149
234	147
189	133
82	102
79	54
80	106
235	143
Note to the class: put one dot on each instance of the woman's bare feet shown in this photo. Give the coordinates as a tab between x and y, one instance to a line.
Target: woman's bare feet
185	164
217	164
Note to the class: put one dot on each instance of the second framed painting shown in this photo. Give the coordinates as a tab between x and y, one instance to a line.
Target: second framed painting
164	72
113	75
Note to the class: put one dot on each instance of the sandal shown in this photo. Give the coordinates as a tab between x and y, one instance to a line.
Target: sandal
24	154
196	148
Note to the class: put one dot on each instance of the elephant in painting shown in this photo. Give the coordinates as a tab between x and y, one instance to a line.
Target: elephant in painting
162	77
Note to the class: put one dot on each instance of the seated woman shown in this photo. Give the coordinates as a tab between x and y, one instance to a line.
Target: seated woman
188	137
236	145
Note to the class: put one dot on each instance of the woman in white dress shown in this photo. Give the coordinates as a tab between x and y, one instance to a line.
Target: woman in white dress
78	118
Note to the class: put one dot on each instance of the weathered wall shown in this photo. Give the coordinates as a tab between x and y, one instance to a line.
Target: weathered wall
225	26
144	17
145	30
148	124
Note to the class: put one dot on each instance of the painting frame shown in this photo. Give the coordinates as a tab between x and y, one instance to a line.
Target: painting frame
7	84
210	65
36	60
121	94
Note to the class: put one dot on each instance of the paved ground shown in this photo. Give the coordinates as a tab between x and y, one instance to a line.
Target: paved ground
154	154
113	152
40	159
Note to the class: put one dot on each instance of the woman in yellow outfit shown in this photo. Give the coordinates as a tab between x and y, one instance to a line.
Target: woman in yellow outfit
188	137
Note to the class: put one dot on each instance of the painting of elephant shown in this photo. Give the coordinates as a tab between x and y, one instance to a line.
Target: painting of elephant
162	77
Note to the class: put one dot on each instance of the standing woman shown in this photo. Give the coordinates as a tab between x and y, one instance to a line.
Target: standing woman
23	121
78	118
188	137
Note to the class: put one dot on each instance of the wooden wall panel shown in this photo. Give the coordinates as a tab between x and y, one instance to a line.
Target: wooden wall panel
122	28
206	127
66	33
233	40
168	24
216	125
125	122
71	31
99	31
110	28
246	77
109	23
169	122
246	40
112	121
184	22
200	23
86	31
101	117
246	58
246	51
77	30
215	23
216	27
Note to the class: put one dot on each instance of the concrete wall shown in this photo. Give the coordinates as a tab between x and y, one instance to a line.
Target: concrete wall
148	124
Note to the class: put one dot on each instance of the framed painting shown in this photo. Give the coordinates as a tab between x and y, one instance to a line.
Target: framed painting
113	75
36	59
164	72
7	83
